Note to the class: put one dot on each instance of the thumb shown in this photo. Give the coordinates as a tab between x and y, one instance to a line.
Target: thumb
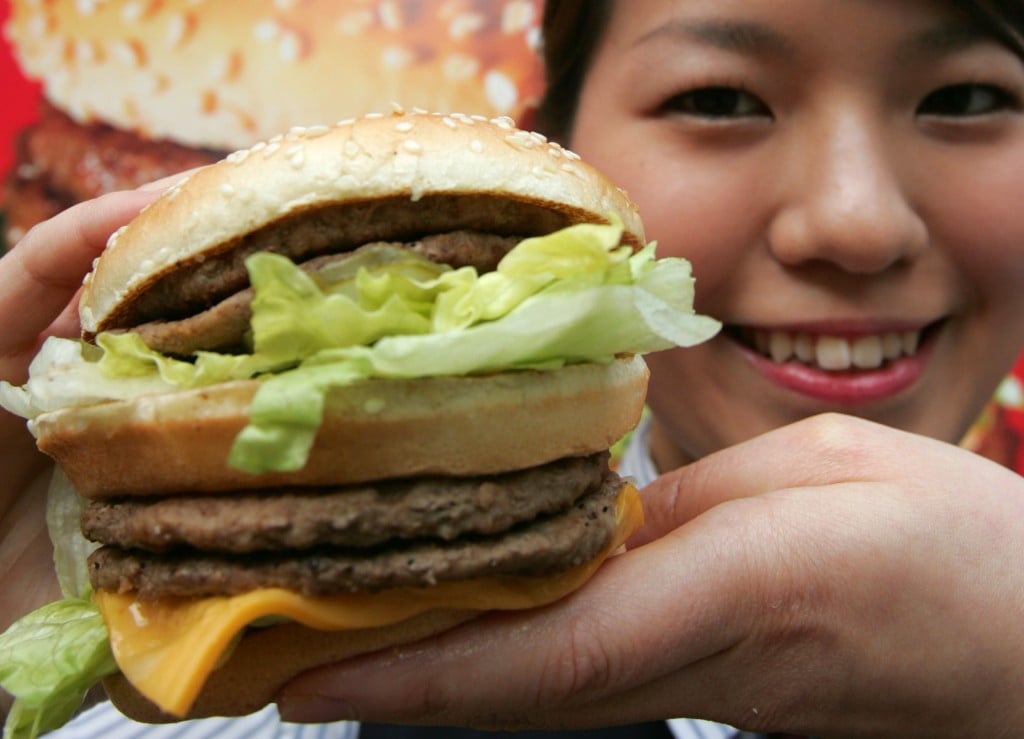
825	449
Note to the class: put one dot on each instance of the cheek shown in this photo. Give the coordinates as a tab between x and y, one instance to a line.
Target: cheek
709	215
981	229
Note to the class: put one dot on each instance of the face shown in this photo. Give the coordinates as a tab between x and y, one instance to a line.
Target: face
847	179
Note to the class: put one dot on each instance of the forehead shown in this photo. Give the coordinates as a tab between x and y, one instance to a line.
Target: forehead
765	24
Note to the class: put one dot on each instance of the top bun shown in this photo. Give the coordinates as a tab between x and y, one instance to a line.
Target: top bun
224	75
489	172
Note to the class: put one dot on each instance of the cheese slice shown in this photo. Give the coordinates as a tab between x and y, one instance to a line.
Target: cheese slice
167	648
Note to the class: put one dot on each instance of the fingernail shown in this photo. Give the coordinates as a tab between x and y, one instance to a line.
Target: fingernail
314	709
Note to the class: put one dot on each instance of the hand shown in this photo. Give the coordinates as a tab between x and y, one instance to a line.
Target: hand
832	577
39	283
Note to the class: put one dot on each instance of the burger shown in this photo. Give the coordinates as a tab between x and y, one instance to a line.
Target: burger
135	90
345	389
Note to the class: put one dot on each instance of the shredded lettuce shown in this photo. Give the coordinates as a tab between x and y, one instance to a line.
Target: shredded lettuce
575	295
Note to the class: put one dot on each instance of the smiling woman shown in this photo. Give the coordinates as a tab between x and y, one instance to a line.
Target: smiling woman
818	555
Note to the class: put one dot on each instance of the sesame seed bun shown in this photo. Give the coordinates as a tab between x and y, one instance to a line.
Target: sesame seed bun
224	75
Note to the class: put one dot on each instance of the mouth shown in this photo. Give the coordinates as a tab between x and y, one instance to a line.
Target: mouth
838	366
833	352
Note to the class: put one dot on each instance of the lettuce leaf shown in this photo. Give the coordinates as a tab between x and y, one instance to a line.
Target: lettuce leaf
575	295
48	661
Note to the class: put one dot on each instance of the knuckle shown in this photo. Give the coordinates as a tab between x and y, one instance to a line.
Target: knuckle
581	669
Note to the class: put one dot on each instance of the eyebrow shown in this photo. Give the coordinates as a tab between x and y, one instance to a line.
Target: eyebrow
729	35
944	38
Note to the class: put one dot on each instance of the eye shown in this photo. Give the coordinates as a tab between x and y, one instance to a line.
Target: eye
967	100
717	102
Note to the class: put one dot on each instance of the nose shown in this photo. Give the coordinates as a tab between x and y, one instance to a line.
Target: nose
843	198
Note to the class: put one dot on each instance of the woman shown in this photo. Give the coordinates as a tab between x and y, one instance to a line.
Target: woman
818	557
845	178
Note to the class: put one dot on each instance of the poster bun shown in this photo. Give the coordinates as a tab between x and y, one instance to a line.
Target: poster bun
223	75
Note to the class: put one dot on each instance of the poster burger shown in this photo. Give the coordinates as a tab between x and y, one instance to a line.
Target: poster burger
138	89
343	389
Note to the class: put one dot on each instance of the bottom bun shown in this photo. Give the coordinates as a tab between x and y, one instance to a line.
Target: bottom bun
383	428
266	659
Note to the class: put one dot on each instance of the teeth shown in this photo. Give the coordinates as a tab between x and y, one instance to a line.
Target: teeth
837	353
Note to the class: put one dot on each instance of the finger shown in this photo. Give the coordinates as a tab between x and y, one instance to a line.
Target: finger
170	180
825	449
39	277
635	621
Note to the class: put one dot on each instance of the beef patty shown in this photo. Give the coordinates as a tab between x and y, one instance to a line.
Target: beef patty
359	516
547	545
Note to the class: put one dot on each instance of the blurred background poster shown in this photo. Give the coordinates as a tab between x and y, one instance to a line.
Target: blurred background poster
132	90
108	94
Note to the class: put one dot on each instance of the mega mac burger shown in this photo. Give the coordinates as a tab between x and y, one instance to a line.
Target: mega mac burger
344	389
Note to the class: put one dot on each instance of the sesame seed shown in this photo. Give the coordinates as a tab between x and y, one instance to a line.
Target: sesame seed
450	122
291	47
271	150
266	30
354	23
390	17
179	27
501	91
314	132
460	67
227	67
403	127
412	147
130	52
131	12
518	16
237	157
296	155
465	24
396	57
87	7
227	190
475	146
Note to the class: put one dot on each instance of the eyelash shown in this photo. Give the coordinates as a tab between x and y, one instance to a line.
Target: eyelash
717	101
716	93
958	96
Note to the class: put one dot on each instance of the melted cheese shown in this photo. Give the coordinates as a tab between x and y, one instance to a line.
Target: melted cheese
168	648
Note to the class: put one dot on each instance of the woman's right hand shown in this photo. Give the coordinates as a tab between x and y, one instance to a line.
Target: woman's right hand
39	283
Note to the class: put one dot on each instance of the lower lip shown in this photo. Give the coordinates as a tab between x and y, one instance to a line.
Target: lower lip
844	387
